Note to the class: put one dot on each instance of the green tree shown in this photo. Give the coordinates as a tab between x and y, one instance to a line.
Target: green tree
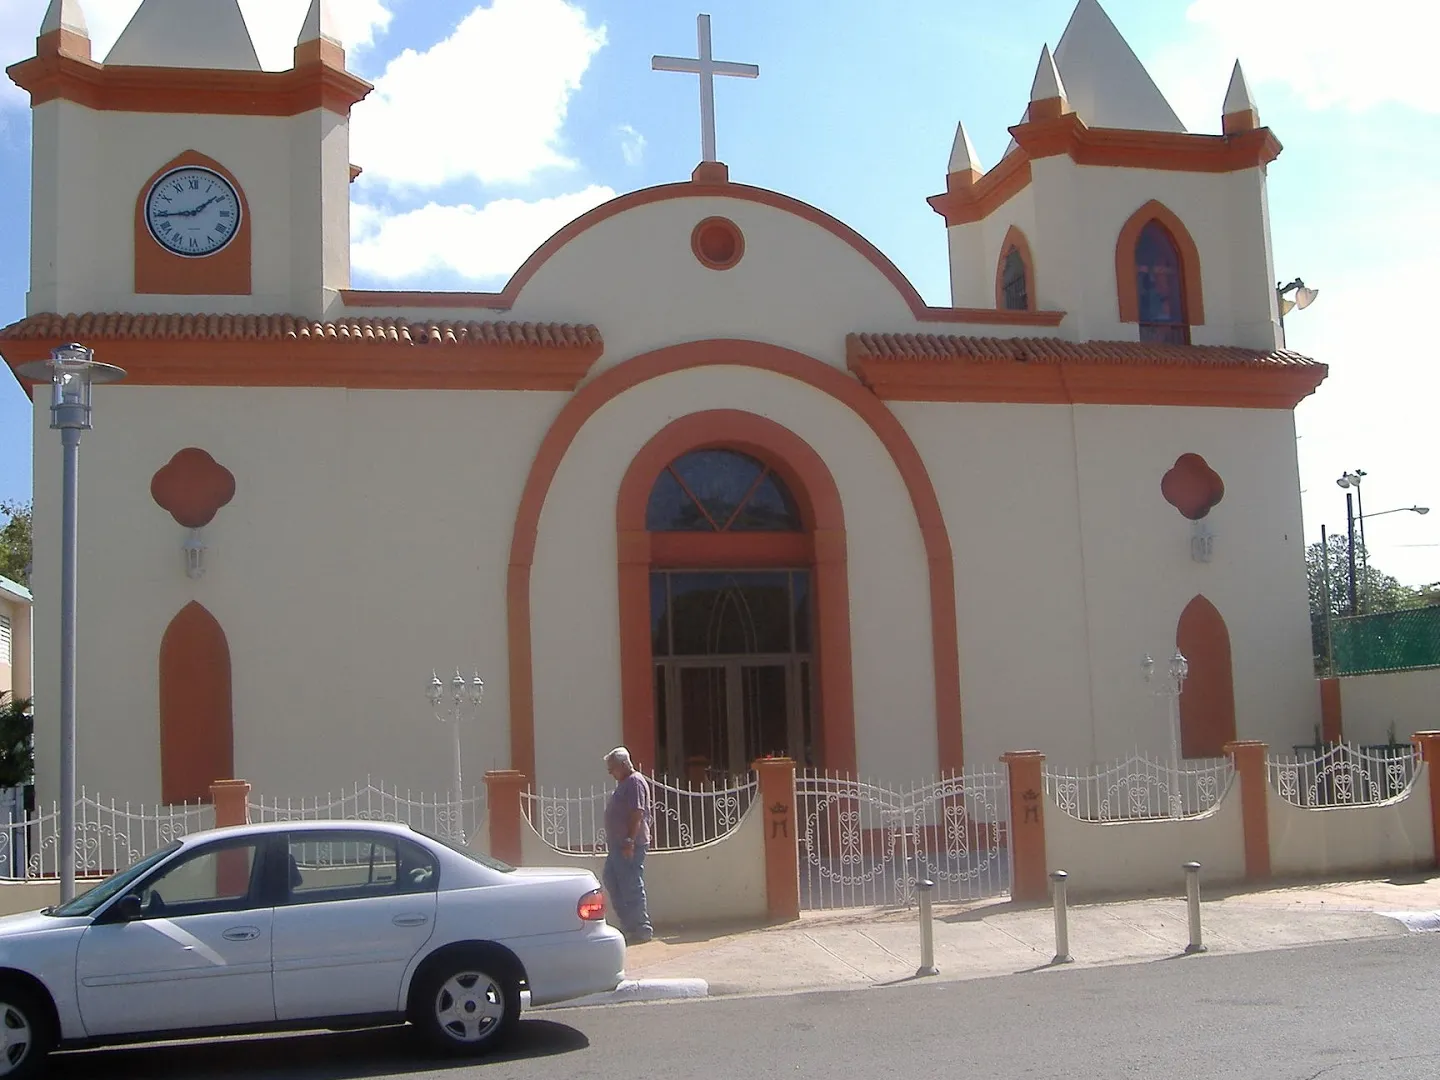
1375	590
17	746
15	541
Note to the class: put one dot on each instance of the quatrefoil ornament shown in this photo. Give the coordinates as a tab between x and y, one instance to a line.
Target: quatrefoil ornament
1192	486
193	487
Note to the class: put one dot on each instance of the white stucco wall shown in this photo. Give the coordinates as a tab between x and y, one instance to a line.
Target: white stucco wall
574	599
1408	701
722	881
367	543
1146	856
1394	835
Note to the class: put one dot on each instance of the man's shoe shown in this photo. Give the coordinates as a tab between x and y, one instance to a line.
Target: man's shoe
640	938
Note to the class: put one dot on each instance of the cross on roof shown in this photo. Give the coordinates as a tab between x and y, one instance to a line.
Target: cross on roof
707	68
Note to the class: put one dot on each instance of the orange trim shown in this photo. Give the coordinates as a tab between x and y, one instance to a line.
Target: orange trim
320	51
710	551
1331	728
502	802
193	487
698	189
967	199
1030	877
717	243
781	361
782	838
229	798
225	273
1014	238
63	41
1237	122
809	480
355	171
1207	707
1050	108
206	92
1249	760
1190	279
1428	743
197	743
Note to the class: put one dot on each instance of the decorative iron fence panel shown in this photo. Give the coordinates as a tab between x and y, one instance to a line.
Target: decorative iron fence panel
683	816
1140	789
1344	775
439	814
866	845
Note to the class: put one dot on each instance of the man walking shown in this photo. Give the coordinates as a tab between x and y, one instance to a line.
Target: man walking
627	835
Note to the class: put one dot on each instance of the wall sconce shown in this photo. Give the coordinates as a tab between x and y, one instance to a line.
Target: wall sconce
1202	542
194	555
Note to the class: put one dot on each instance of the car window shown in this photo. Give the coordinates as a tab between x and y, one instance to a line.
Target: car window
461	849
88	901
213	879
326	866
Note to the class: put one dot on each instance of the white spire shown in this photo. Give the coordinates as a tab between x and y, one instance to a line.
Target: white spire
962	155
64	15
319	23
1047	82
1237	97
186	33
1106	83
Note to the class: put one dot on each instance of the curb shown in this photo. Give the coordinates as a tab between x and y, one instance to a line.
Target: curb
637	990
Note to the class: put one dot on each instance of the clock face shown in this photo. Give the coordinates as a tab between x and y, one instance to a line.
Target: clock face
192	211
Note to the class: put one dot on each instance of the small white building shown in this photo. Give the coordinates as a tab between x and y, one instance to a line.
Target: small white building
707	476
15	670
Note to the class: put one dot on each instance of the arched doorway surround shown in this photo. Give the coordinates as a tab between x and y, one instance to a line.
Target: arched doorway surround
788	363
1207	705
818	546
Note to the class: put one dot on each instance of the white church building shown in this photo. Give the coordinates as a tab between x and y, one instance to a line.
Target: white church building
706	477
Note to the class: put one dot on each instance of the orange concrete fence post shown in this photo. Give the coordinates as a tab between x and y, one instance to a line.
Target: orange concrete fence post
503	788
1027	825
1331	714
231	801
782	843
1428	744
1248	757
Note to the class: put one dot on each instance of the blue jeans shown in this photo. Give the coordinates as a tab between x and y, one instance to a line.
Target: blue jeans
625	882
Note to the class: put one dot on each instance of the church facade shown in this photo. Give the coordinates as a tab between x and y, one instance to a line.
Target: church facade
707	477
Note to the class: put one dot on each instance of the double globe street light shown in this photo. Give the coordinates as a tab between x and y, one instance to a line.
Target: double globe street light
462	694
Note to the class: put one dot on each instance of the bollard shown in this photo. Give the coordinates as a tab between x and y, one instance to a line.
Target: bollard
927	930
1062	929
1192	899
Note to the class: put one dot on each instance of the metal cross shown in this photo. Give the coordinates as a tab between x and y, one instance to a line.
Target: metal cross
707	68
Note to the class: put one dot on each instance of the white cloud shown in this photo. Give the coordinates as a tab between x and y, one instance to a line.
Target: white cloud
632	145
487	103
483	244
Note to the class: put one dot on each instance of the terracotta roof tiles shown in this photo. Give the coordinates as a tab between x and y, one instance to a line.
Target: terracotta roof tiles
987	350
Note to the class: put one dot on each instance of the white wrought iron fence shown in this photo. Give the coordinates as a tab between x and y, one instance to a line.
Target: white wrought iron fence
572	820
1344	775
866	845
439	814
1140	788
109	836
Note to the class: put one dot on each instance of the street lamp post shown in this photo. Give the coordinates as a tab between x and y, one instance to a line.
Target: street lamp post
1350	481
462	694
1169	687
72	371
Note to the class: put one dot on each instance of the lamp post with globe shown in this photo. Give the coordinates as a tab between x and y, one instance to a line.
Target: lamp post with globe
464	696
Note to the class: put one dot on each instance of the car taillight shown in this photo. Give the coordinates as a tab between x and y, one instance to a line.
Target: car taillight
592	906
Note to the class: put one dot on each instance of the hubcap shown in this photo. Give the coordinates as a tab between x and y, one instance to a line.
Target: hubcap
470	1006
15	1038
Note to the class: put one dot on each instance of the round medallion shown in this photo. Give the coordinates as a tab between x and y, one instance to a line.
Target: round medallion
718	243
192	211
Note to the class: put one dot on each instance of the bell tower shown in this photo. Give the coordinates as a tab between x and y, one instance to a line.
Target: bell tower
179	177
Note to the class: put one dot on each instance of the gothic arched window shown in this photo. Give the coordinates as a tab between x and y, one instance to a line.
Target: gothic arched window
720	491
1160	287
1012	282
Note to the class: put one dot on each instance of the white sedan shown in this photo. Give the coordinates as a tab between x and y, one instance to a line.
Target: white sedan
288	926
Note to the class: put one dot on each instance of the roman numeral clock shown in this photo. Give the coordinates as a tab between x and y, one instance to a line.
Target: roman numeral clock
192	230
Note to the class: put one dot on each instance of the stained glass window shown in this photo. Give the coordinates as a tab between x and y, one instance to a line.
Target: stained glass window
720	491
1159	287
1012	282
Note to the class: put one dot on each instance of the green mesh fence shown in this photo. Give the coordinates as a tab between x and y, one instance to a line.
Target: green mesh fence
1387	641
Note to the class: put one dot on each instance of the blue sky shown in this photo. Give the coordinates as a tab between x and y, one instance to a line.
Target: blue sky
556	108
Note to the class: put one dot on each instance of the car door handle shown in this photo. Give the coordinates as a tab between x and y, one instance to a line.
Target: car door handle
241	933
410	920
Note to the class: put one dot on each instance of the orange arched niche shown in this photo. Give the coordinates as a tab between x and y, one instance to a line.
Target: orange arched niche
1207	703
1015	239
1184	246
196	724
808	479
787	363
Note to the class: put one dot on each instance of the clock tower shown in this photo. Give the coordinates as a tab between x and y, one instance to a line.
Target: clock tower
177	176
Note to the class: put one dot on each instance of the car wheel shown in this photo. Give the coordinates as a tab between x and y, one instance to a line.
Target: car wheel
467	1004
25	1038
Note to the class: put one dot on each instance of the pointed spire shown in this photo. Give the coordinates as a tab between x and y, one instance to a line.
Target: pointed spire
187	33
320	37
63	30
962	155
1105	82
1239	112
1047	92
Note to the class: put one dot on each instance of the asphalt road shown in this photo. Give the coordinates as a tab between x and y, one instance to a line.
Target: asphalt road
1341	1012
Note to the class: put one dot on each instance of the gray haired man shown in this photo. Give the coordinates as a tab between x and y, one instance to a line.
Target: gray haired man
627	835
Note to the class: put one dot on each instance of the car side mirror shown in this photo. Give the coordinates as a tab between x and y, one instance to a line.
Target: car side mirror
128	908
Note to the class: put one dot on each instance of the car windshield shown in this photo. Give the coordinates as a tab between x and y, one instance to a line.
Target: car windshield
473	856
88	901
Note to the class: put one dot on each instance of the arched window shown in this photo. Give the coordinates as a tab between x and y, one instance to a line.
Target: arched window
1160	287
720	491
1012	283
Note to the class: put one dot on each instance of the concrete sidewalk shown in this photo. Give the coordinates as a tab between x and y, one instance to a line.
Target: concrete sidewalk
855	949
